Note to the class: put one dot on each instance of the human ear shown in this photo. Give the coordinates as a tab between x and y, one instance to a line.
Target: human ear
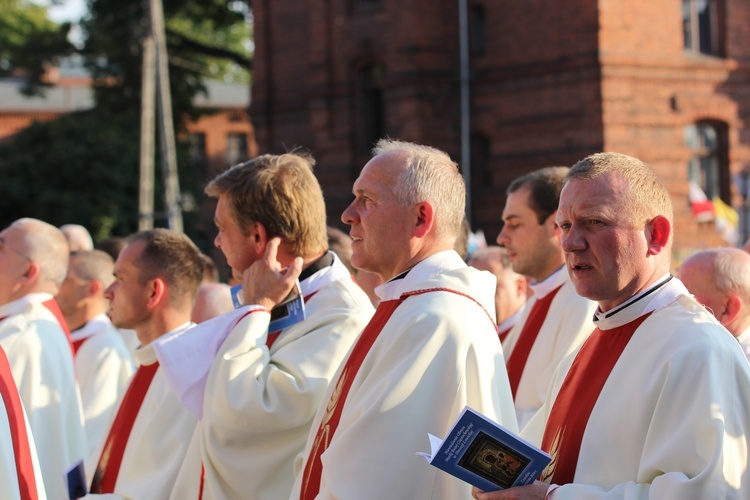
658	231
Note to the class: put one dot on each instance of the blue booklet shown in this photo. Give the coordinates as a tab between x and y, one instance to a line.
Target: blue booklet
290	311
75	478
483	453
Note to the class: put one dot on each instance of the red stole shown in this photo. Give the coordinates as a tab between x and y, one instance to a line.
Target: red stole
314	466
527	337
18	433
578	395
51	304
108	468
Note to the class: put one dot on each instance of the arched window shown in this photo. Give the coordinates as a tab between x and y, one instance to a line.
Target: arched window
709	166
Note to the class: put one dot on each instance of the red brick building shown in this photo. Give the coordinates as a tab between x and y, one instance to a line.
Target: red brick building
549	83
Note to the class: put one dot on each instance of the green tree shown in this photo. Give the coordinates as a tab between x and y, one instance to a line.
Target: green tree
29	42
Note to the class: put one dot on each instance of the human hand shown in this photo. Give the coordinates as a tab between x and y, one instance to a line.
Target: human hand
265	283
535	491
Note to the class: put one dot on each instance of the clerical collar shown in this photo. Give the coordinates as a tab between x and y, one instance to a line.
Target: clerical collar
400	276
325	261
550	283
600	315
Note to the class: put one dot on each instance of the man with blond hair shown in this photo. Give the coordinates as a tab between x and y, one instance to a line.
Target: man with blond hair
102	360
655	403
33	264
255	386
430	349
720	280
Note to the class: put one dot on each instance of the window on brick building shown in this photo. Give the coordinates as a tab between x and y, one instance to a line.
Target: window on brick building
709	165
236	148
371	107
702	26
197	148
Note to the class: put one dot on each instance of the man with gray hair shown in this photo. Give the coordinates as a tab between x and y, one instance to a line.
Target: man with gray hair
430	349
720	280
102	360
33	264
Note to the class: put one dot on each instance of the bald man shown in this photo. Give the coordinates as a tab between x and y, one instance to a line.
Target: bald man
78	237
511	290
214	299
720	280
33	265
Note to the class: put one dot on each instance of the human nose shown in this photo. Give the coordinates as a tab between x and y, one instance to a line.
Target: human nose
502	238
217	240
109	292
349	215
573	240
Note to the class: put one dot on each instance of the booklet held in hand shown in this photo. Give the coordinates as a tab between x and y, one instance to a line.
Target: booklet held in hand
483	453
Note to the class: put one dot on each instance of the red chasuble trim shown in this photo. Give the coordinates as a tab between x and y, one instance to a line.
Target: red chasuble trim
313	471
18	433
578	395
527	337
108	468
51	304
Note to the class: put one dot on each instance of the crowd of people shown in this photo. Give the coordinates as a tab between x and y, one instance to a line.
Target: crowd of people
132	366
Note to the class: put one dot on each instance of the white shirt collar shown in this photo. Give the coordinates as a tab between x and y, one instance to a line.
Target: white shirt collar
18	305
145	354
335	272
550	283
89	328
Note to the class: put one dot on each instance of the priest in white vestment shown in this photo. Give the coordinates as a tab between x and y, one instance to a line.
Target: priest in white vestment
255	387
33	264
103	363
156	280
556	320
719	278
430	349
20	475
656	403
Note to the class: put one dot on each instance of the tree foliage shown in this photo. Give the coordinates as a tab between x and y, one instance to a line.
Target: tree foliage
83	168
29	42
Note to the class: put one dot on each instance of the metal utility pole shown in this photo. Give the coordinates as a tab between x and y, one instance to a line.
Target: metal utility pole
146	184
155	61
463	47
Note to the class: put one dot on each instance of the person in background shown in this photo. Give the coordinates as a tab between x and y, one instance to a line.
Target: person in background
78	237
556	320
511	292
33	265
156	279
720	280
103	363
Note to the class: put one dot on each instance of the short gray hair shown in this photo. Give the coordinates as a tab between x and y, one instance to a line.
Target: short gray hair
93	265
429	175
45	245
732	274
